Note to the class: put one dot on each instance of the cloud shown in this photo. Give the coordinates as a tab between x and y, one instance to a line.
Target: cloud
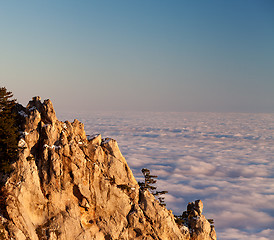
235	234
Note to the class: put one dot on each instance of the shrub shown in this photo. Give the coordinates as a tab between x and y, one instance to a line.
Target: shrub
8	130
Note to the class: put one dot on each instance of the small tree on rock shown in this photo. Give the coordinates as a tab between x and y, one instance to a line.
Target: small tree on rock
149	180
148	185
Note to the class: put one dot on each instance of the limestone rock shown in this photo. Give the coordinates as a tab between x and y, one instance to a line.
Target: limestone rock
199	227
69	187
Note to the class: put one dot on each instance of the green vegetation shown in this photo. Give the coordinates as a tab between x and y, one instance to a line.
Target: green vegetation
211	221
149	180
148	185
161	199
124	187
180	220
8	130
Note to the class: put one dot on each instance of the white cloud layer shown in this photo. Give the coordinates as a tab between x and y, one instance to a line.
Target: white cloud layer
226	160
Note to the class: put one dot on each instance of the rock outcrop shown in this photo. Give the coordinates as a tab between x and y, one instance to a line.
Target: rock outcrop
199	226
69	187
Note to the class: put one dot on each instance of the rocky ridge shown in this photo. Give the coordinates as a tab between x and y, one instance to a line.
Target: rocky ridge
69	187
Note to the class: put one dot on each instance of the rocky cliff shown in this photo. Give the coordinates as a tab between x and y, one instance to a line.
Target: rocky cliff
67	186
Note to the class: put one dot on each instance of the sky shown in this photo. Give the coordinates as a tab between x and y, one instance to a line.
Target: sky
199	56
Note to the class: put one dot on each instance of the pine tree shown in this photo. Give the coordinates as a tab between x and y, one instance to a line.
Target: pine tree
161	199
149	181
8	130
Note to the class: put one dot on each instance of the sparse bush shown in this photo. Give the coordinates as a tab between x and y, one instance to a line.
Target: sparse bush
112	180
124	187
179	219
211	221
8	130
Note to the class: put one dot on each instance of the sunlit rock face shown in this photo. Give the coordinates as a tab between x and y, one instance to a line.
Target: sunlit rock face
67	186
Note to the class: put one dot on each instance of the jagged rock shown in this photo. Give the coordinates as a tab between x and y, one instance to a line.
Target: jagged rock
69	187
200	228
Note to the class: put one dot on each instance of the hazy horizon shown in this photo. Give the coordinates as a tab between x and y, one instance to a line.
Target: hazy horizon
67	110
178	56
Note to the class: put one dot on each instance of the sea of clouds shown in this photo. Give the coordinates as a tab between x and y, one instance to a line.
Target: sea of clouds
224	159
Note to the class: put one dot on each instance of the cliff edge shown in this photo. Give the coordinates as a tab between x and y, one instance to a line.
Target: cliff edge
69	187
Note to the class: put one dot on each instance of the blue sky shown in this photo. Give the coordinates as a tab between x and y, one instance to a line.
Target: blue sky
140	55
